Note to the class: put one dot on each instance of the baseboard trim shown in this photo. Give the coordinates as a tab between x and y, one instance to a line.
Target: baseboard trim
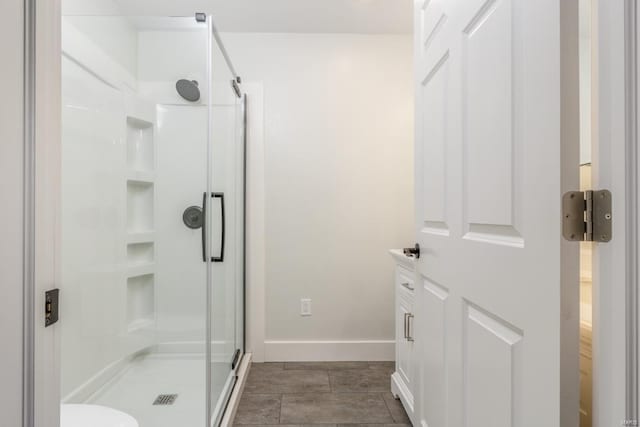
329	351
236	394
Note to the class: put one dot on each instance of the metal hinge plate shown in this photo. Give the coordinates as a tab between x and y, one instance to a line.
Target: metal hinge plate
586	216
51	307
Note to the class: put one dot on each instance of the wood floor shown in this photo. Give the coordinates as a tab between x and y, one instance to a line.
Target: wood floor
320	393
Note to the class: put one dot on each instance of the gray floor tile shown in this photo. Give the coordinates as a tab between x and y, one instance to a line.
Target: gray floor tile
334	408
259	409
396	409
275	381
374	425
326	366
269	366
368	380
383	365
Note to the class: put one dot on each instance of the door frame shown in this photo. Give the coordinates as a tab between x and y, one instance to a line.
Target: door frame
615	129
617	31
632	14
42	143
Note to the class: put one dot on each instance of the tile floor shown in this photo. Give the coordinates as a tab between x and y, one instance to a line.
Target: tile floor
320	393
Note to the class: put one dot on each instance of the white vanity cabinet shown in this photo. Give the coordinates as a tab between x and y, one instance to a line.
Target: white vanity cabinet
403	380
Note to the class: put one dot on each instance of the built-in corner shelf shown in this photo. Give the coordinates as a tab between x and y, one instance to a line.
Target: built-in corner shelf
140	188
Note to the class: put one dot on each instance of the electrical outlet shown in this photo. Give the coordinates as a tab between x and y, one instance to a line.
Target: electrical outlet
305	307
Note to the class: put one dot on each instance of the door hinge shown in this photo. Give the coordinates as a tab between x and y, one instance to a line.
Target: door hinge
586	216
51	306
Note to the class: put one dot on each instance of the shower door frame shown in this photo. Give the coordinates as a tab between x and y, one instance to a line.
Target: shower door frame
240	305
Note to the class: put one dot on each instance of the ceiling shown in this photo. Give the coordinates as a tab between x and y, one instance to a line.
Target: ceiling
297	16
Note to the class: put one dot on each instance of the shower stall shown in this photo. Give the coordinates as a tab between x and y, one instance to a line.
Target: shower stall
153	167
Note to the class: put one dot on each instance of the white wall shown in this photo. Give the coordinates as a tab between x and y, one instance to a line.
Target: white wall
11	161
338	177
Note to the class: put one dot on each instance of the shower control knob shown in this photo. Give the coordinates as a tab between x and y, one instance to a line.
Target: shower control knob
193	217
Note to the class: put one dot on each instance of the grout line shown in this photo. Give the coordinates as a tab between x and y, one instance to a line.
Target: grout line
280	414
393	420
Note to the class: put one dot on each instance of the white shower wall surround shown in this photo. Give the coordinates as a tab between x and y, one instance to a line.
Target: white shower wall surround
134	157
94	228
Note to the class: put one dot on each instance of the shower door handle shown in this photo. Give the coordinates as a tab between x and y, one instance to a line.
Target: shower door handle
223	225
203	229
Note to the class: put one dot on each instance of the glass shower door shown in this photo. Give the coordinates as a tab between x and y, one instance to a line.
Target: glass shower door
136	263
152	219
227	240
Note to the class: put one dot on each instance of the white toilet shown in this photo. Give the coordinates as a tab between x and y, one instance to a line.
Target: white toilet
72	415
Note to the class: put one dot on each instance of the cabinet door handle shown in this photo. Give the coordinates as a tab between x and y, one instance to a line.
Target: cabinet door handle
409	333
408	286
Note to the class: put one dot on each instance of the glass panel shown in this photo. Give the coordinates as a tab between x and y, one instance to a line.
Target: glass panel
227	274
135	157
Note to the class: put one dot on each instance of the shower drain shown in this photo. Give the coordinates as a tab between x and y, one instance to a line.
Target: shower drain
165	399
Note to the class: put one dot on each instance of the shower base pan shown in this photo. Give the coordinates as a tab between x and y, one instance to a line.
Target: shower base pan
147	378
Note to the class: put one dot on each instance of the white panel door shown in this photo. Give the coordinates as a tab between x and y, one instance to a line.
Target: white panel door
496	146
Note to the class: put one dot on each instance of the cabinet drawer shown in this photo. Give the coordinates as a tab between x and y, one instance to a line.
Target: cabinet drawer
405	283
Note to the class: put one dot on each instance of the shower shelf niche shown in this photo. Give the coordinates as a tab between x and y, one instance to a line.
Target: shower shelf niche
140	145
140	302
140	198
140	253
